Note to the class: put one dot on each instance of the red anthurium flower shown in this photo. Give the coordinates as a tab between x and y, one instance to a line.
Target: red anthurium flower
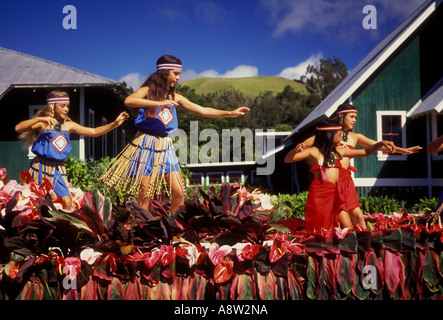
167	255
223	271
152	258
278	248
201	254
248	252
13	272
181	252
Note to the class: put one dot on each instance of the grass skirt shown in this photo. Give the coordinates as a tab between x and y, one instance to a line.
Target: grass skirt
52	170
145	155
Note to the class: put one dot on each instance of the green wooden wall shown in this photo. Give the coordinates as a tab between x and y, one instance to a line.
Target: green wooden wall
15	159
396	87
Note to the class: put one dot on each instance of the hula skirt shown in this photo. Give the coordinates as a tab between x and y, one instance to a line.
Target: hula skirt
348	193
145	155
322	205
52	170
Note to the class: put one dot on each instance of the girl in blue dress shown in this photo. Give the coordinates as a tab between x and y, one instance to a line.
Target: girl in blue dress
48	133
149	162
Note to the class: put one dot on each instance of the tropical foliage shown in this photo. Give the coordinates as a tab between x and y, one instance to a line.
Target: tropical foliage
232	244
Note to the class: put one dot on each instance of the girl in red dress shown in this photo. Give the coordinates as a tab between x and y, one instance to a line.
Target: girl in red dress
325	202
346	115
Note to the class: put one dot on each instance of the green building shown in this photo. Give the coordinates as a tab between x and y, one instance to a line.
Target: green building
24	83
398	92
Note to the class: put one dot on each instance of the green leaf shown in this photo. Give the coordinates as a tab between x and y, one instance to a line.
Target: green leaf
278	213
72	218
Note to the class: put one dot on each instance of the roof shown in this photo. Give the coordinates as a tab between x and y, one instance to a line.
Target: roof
363	71
21	70
431	102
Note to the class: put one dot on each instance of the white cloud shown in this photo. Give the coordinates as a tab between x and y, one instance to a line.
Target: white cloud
341	19
300	69
241	71
133	80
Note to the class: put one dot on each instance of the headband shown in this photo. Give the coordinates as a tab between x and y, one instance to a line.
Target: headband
170	66
328	128
58	100
347	111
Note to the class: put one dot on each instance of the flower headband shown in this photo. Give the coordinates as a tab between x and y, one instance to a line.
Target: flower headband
328	128
170	66
58	100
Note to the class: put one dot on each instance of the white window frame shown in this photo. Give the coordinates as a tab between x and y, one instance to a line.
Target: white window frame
33	108
215	173
104	139
402	114
198	174
91	141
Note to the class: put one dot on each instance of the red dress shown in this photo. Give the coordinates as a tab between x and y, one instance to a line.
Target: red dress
324	202
348	191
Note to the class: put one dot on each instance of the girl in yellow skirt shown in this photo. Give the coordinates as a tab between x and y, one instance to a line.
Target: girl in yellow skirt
149	162
48	133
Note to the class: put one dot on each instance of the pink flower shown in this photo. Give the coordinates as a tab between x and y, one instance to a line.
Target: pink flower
2	173
217	253
72	267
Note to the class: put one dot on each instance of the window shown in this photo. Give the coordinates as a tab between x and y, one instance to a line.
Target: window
391	127
196	179
235	177
214	178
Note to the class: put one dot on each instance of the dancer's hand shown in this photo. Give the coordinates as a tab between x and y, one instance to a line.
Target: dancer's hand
389	145
121	118
48	121
240	112
410	150
166	104
300	147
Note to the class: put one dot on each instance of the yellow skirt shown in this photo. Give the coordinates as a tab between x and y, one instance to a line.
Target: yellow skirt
145	155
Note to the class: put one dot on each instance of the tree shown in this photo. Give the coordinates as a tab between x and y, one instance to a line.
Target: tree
321	79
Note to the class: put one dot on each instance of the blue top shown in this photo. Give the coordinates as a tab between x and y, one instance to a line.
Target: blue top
164	120
52	145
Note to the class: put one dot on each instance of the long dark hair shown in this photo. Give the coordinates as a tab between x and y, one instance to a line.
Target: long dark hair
157	83
324	140
339	117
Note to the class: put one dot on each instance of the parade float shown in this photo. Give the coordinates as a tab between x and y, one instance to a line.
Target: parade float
228	245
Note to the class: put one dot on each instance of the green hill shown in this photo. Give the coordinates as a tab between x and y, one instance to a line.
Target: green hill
250	87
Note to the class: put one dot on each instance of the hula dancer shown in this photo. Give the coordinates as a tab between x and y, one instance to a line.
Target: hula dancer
324	202
149	162
48	133
346	115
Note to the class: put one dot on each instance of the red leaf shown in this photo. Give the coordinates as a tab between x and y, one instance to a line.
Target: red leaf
394	272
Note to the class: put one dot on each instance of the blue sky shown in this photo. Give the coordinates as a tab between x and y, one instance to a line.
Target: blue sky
121	40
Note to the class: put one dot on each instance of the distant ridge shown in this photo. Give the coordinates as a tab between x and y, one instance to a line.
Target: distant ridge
250	87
